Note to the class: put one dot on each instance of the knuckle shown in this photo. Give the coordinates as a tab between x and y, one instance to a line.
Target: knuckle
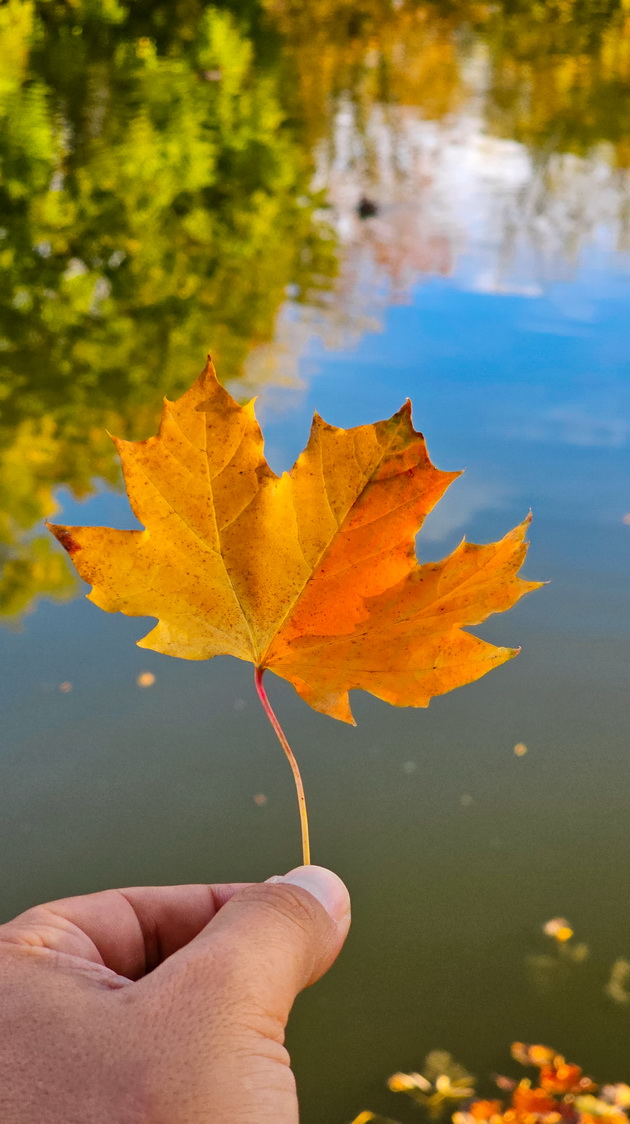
297	908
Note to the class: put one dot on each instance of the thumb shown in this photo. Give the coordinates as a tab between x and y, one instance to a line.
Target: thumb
267	943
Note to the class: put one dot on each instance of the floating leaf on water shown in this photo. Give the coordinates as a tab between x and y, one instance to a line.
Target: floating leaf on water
532	1055
578	953
558	928
617	1094
442	1082
506	1084
618	986
372	1118
145	679
562	1093
407	1082
480	1112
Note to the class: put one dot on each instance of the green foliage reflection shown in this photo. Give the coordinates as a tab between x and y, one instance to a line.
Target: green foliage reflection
153	202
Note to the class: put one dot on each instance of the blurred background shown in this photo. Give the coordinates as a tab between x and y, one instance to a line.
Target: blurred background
348	204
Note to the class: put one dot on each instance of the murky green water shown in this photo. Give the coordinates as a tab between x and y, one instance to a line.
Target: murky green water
175	178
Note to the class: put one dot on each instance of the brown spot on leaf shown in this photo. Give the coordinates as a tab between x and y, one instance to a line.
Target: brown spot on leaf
67	540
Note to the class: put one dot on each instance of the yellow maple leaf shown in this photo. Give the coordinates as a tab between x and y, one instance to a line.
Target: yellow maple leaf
312	574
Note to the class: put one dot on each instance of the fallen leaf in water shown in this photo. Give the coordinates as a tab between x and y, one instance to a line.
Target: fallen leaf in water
520	749
618	986
560	1092
559	929
312	574
145	679
506	1084
371	1118
442	1082
480	1112
618	1095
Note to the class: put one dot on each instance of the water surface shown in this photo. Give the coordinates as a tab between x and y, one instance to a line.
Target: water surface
172	185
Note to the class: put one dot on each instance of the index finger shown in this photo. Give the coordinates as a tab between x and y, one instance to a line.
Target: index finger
130	931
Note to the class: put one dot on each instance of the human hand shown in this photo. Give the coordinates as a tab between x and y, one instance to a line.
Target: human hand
163	1005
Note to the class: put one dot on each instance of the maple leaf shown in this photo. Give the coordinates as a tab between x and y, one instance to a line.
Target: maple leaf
312	574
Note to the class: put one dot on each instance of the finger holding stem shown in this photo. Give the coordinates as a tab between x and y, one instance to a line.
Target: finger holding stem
262	695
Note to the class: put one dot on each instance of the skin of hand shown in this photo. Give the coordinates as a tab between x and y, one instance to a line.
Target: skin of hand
162	1005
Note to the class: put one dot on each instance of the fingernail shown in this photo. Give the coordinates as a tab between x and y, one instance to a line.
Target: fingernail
323	885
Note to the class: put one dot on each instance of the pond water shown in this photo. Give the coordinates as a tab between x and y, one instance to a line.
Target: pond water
176	177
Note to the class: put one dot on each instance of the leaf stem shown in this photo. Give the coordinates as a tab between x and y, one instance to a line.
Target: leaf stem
262	695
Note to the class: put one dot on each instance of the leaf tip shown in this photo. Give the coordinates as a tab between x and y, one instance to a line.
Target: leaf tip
404	415
342	710
209	372
65	537
531	586
117	442
250	408
319	422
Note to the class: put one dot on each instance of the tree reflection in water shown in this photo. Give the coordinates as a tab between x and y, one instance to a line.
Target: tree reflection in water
158	197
